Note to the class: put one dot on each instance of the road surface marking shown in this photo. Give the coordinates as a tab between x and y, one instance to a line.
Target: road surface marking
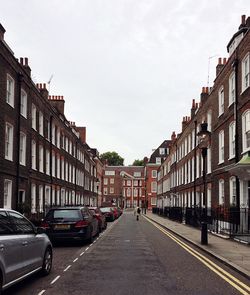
75	260
43	291
211	265
90	245
82	253
69	266
54	280
87	249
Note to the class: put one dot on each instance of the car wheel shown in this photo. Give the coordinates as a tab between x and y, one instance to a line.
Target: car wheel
47	262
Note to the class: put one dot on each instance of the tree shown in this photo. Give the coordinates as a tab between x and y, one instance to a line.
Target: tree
138	163
112	159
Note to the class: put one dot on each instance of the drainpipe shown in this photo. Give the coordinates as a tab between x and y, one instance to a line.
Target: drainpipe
237	125
20	80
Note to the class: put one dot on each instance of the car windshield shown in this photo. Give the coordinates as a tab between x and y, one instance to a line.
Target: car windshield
66	214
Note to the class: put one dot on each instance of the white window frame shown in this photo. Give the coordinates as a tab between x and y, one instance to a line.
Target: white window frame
245	72
7	194
47	169
231	84
23	104
58	166
154	173
221	147
221	192
232	140
41	123
246	131
158	160
153	186
33	198
221	100
33	116
41	158
232	182
10	90
40	196
9	137
33	154
22	150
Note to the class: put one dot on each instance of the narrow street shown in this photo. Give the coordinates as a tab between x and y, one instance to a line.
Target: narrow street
130	257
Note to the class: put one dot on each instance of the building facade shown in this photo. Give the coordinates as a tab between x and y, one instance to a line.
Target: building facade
44	159
124	186
225	108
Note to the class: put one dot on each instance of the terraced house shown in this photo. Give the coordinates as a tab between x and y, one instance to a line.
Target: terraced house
44	158
224	190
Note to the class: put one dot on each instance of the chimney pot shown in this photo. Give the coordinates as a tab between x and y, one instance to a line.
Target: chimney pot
224	60
21	61
44	85
243	19
219	61
26	61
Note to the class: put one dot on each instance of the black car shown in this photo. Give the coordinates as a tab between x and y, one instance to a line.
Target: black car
70	224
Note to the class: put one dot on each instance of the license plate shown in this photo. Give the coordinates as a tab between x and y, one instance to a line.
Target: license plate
62	226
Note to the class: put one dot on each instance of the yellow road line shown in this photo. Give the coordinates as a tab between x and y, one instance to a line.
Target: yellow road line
210	264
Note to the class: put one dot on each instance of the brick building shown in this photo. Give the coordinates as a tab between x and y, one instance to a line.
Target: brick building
44	158
124	186
151	168
225	107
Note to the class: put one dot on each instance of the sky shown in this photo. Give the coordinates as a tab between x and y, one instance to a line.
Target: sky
128	69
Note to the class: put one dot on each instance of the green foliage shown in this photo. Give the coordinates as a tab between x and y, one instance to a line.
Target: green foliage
138	163
112	159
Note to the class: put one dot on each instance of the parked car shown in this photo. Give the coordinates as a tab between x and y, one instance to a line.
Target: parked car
70	224
102	223
24	249
108	212
119	211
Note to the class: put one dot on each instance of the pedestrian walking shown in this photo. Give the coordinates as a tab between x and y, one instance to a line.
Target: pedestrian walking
137	212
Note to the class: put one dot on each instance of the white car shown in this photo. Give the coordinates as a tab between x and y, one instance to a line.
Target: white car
24	249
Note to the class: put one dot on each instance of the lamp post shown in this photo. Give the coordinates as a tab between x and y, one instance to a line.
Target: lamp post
204	137
97	188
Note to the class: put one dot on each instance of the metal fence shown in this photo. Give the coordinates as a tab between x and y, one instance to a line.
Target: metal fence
232	222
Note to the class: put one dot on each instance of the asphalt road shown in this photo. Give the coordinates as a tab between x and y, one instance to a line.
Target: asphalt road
130	257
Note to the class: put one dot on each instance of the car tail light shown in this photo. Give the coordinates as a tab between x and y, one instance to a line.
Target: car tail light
81	223
44	225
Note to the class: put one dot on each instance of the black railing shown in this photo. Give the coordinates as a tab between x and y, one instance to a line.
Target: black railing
232	221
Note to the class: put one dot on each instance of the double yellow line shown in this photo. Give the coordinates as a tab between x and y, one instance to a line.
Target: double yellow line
233	281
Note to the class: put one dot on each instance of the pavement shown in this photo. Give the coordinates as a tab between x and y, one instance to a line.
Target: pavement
230	252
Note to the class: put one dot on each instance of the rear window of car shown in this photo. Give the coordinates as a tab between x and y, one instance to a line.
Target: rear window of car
105	209
64	214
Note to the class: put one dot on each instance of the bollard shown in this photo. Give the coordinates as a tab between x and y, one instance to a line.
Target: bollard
204	233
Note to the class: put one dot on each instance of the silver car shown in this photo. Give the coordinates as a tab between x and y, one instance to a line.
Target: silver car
24	249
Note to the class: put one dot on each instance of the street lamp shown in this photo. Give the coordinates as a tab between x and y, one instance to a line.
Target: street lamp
204	137
97	187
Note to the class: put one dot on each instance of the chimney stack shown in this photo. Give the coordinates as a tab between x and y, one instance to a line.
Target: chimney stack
57	102
193	109
24	62
204	94
82	133
2	31
43	90
173	136
243	20
220	65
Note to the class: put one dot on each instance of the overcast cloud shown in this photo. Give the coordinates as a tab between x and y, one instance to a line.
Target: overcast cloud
128	69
